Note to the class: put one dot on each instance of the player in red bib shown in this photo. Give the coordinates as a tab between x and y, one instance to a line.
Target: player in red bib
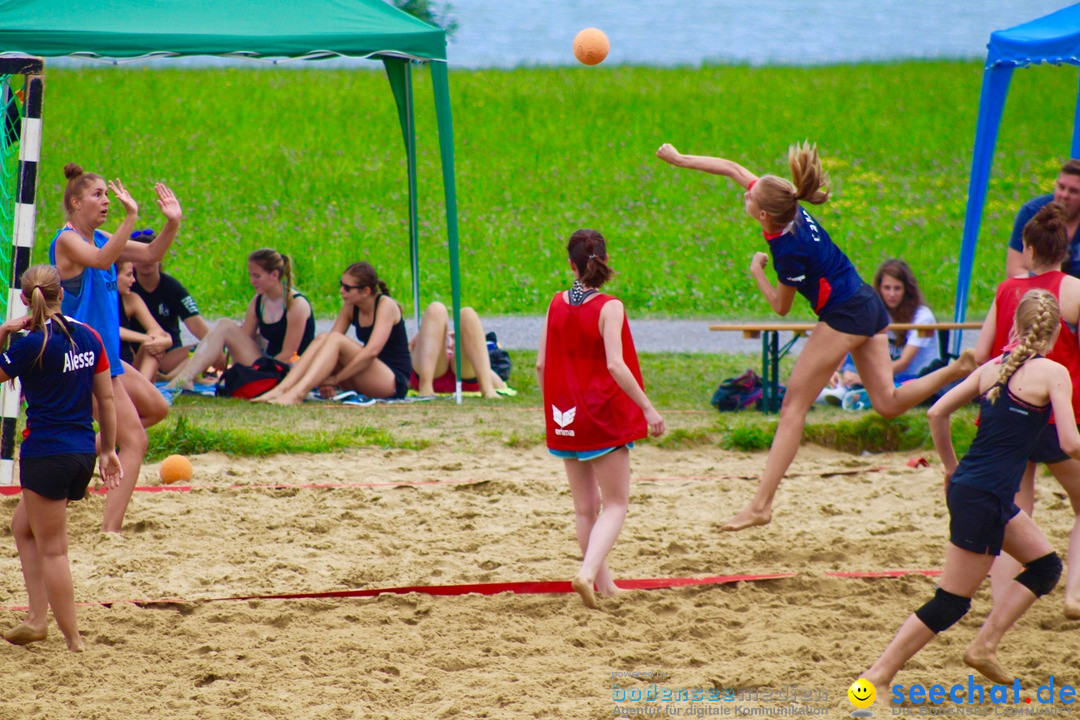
63	366
1046	245
852	317
595	406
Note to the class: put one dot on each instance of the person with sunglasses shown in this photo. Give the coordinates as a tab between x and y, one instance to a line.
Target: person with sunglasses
377	364
279	322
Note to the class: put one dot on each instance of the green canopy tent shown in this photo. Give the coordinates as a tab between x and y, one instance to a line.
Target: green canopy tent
278	30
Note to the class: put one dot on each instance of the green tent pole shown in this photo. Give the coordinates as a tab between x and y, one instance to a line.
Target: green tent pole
399	72
440	77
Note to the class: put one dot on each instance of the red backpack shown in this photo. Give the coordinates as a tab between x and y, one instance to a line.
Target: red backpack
249	381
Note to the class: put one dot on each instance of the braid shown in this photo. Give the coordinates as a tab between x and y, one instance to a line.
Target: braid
1037	317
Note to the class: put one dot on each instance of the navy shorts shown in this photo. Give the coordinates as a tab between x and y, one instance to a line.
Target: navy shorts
977	519
57	477
862	314
1048	448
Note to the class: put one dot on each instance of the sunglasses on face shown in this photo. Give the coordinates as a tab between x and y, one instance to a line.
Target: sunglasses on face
346	286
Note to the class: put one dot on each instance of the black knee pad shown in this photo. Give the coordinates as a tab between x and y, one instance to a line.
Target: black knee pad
944	611
1041	576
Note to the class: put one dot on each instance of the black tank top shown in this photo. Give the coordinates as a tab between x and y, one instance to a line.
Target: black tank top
1008	432
274	333
395	353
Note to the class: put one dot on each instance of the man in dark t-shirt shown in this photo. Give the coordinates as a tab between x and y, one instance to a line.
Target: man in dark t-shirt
1067	193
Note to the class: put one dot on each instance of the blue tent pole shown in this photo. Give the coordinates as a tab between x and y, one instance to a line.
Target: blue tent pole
1076	129
991	105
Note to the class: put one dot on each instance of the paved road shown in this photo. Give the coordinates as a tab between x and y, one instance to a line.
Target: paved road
523	333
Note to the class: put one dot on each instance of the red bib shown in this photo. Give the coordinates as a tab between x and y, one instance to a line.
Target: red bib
1065	351
584	409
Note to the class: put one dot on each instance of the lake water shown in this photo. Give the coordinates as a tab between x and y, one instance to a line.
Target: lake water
509	33
512	33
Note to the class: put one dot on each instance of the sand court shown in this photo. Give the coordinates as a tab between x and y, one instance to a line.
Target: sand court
483	512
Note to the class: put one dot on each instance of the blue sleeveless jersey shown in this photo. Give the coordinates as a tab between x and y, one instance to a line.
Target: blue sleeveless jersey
92	298
59	388
806	258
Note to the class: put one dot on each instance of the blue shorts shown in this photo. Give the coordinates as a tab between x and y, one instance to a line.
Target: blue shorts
863	314
977	519
1048	448
586	455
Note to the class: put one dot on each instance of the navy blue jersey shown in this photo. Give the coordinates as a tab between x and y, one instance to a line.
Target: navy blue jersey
59	389
1008	432
806	259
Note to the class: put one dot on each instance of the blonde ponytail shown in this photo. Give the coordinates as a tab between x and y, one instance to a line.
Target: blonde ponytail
41	286
779	197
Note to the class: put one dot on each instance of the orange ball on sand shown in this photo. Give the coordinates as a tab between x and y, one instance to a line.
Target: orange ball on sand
591	46
176	468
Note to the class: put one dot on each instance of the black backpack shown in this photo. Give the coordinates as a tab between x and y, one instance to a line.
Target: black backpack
249	381
500	360
738	392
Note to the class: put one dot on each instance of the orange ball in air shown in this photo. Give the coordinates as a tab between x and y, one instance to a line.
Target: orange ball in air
591	46
176	468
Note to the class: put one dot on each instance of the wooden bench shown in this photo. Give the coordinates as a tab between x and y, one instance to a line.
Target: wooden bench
772	352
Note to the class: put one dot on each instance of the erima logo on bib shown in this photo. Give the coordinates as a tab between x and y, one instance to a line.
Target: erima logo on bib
798	279
78	361
562	419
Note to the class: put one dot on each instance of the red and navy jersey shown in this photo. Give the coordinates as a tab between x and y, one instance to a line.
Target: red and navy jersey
59	388
806	259
584	408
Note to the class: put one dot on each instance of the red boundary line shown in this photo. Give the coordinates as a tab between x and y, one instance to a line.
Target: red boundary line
518	588
15	489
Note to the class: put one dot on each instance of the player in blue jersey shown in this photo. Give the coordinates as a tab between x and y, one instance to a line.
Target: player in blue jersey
85	256
852	317
63	368
1018	394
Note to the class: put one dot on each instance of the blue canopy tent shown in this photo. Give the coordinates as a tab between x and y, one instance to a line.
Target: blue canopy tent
1052	39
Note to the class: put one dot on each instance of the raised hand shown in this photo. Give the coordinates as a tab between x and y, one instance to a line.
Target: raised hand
124	197
170	206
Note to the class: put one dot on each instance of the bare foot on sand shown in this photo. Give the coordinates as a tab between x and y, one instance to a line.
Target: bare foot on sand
1072	609
24	634
746	519
584	588
986	662
75	644
612	591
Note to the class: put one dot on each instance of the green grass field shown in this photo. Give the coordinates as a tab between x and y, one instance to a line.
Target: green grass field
312	163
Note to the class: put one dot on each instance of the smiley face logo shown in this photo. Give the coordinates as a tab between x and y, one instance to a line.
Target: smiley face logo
862	693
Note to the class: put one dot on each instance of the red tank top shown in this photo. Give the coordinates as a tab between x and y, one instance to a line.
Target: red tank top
1065	350
584	408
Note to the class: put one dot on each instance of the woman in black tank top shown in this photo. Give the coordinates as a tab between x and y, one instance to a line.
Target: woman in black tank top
376	364
1018	392
279	322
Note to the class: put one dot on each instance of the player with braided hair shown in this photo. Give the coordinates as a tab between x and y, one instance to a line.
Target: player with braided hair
1018	394
1046	244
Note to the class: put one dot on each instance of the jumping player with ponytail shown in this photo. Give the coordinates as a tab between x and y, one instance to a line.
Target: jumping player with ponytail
1018	393
63	367
86	257
595	406
278	314
852	318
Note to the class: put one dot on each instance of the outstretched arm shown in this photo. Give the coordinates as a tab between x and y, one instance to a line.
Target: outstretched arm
704	163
